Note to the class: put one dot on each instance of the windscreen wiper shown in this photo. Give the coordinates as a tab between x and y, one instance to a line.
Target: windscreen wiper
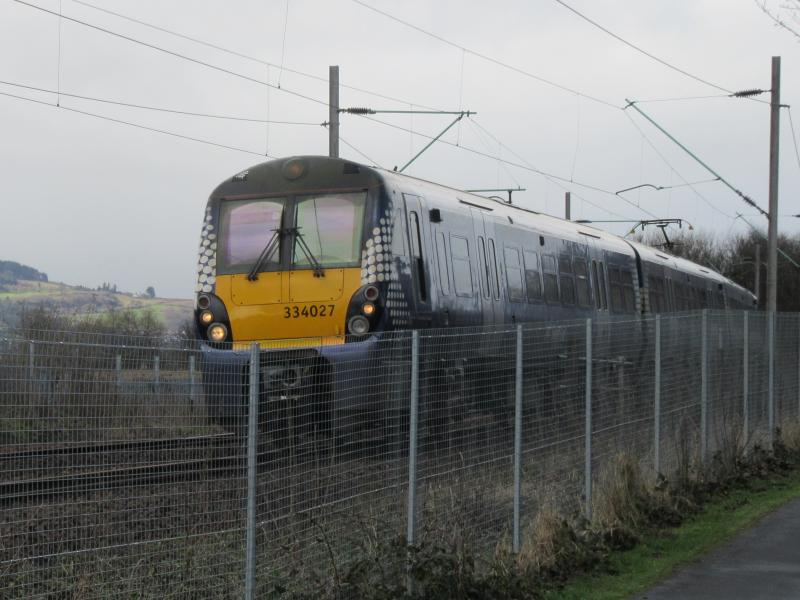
273	243
318	270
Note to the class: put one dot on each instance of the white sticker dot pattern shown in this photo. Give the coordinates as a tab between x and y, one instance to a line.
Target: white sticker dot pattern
207	256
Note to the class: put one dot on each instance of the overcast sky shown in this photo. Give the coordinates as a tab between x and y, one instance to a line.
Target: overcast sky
89	200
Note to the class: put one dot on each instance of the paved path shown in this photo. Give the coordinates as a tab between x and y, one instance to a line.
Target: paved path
762	562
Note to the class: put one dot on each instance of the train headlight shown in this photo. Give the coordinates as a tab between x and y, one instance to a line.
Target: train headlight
217	332
206	317
368	308
358	325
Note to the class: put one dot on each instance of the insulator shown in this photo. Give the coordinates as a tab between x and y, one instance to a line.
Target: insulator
359	110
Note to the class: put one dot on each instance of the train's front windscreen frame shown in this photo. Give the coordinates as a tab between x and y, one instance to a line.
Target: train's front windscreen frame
344	232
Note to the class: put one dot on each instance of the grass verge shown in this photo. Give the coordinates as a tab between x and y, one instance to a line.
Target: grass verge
664	551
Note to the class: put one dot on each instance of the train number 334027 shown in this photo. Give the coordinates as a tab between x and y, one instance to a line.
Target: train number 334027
309	310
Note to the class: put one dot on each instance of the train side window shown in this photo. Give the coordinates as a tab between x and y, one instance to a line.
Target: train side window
614	278
656	288
462	271
496	280
416	255
628	295
398	235
444	271
484	267
516	292
567	280
600	300
582	281
533	280
603	284
550	278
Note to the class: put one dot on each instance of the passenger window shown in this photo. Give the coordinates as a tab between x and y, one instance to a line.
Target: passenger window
550	278
462	270
603	284
416	255
496	280
656	294
484	268
582	281
516	292
398	235
567	280
599	299
533	281
628	295
444	271
616	289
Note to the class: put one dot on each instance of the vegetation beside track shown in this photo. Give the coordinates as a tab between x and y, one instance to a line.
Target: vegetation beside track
641	532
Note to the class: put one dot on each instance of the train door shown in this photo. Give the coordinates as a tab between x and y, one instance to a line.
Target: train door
484	267
420	254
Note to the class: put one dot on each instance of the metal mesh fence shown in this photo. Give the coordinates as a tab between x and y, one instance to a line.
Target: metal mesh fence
168	468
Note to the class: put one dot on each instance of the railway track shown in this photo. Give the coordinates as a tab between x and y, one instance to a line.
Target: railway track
47	450
221	454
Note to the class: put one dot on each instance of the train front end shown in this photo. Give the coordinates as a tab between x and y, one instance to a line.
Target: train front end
288	259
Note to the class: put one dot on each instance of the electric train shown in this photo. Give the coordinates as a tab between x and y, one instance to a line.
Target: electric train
318	259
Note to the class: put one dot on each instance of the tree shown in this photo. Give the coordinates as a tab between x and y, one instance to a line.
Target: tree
150	291
734	258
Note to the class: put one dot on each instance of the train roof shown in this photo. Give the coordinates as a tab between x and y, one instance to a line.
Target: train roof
536	220
453	198
556	226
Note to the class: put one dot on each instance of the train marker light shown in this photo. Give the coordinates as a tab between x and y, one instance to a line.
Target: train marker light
293	168
368	308
206	317
203	301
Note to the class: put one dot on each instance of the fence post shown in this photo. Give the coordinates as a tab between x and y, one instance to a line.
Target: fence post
771	376
192	391
746	382
157	373
517	440
252	445
587	475
704	387
31	368
411	525
118	369
657	401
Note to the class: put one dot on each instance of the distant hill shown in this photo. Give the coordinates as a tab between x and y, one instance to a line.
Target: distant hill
11	272
22	286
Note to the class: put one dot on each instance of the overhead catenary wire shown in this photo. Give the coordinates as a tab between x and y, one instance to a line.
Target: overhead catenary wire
486	155
156	108
309	98
738	192
486	57
551	179
683	98
359	152
137	125
283	43
641	50
674	170
573	181
173	53
794	136
245	56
